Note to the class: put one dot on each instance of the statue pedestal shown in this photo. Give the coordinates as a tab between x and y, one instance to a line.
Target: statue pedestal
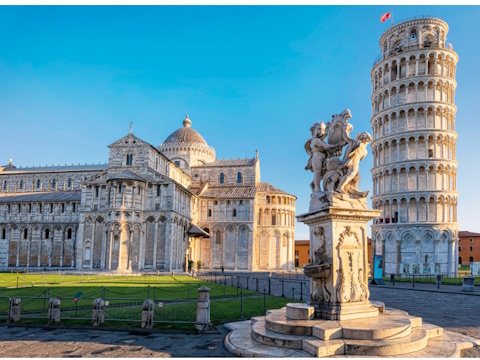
338	260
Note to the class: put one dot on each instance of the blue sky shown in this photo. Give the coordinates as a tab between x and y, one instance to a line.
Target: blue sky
253	77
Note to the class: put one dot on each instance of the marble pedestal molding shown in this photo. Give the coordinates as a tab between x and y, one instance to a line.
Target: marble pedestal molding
339	263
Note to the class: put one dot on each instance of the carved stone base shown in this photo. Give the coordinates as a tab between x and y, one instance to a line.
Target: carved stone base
324	199
338	264
346	311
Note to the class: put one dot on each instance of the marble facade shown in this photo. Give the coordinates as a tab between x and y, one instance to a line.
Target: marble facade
147	208
414	157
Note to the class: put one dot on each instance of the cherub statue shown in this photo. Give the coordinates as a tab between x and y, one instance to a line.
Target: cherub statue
318	149
321	252
355	152
333	174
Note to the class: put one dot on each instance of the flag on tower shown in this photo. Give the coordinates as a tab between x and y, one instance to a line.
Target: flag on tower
385	17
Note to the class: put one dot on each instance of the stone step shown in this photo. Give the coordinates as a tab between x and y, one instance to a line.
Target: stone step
253	320
239	342
416	341
261	334
278	322
381	327
320	348
433	331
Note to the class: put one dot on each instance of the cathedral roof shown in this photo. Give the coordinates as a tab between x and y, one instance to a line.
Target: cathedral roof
229	162
185	135
195	231
126	175
229	192
266	187
79	167
51	196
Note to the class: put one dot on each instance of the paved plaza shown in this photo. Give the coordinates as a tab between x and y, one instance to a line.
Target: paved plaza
434	306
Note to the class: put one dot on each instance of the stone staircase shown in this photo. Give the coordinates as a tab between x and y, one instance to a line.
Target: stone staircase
393	333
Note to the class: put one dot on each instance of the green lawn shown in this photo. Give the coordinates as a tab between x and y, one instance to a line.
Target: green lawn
125	296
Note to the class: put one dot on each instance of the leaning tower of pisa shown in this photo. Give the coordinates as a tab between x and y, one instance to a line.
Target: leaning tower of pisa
414	139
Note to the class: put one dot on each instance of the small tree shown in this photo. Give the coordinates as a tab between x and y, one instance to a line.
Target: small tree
199	264
190	264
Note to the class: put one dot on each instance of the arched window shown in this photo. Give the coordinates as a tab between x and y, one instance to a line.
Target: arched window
218	237
38	183
460	260
234	212
54	184
4	185
120	188
222	178
87	251
47	234
4	234
413	34
69	233
274	219
129	159
239	177
69	182
25	234
471	259
209	211
21	184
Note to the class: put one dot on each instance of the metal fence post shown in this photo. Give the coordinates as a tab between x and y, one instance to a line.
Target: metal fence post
148	291
224	289
413	281
44	294
237	289
247	282
188	291
283	289
17	282
256	287
241	305
269	286
155	293
293	293
231	279
264	302
301	291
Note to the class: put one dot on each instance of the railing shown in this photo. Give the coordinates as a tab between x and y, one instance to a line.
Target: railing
176	304
383	56
276	285
418	17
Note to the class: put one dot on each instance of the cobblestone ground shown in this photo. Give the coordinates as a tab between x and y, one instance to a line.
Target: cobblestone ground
454	312
35	342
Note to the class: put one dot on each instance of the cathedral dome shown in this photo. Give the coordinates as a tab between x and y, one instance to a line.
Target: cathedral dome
186	147
185	135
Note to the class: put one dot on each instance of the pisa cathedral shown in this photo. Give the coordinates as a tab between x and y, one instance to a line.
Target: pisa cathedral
414	139
147	208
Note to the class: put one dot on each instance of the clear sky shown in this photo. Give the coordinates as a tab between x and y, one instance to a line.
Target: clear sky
254	77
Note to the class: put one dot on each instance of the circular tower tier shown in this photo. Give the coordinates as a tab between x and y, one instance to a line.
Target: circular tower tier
414	139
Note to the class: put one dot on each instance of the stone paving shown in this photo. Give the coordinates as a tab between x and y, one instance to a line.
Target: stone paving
37	342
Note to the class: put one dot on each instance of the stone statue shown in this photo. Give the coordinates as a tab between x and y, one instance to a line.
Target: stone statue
356	152
325	148
318	150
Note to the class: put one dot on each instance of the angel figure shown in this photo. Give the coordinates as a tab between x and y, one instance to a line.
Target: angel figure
318	149
356	151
